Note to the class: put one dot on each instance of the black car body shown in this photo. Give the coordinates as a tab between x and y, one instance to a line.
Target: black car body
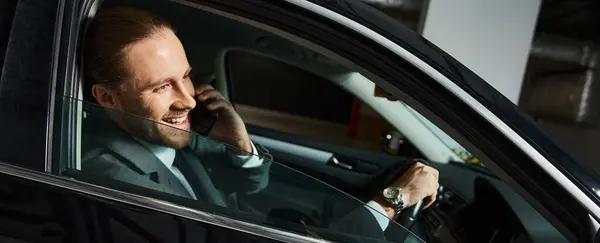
530	189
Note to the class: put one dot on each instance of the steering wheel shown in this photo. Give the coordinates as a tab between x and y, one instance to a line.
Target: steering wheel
408	216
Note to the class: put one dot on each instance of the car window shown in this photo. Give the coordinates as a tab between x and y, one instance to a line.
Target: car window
465	180
213	177
271	94
325	144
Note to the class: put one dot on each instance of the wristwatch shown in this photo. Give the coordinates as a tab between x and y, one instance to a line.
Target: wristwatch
394	196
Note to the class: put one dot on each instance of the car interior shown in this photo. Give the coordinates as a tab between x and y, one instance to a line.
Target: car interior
292	195
316	182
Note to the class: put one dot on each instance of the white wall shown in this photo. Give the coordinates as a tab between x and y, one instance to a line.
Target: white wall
490	37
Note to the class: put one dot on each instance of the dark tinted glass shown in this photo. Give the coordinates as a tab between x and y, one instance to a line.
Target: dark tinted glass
25	82
268	193
36	212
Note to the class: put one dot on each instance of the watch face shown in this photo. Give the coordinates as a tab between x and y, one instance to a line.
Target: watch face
391	192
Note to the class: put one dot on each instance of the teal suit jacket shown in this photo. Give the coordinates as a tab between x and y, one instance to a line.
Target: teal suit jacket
216	178
111	153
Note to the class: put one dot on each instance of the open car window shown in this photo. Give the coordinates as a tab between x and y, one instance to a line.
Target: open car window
339	107
466	182
114	154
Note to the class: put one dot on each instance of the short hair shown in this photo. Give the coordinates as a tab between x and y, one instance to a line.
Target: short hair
107	38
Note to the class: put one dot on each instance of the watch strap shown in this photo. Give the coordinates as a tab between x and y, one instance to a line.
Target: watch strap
397	203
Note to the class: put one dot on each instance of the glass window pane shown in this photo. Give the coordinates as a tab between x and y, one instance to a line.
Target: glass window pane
319	109
466	182
119	150
305	172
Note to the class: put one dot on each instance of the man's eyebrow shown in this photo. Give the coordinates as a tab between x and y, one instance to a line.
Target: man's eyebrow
155	84
163	81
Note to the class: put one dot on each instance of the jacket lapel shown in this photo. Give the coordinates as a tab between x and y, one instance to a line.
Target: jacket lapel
144	161
136	156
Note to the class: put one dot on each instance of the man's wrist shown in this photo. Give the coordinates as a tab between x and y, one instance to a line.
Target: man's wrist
243	148
246	149
389	208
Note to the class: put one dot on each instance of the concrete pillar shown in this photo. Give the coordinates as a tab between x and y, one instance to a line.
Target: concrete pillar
490	37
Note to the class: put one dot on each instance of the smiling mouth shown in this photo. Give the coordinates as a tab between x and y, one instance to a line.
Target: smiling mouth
176	120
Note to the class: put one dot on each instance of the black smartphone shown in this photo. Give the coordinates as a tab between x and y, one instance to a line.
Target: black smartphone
202	119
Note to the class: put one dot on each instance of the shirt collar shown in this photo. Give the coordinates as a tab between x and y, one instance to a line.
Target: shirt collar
165	154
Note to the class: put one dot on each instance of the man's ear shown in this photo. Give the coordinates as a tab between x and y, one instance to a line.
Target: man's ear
105	96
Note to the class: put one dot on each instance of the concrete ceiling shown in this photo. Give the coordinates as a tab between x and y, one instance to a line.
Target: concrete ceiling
577	19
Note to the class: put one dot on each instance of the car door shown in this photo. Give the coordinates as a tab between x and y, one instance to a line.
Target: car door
453	98
38	207
423	76
114	211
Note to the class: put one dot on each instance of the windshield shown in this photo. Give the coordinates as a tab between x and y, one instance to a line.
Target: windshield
118	150
430	140
463	155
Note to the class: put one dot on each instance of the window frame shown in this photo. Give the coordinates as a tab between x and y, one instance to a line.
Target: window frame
558	201
75	20
297	11
68	122
67	119
158	205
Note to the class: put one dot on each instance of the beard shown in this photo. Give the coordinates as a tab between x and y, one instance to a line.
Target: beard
154	132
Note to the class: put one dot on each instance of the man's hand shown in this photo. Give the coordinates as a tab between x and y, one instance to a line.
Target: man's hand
229	128
418	182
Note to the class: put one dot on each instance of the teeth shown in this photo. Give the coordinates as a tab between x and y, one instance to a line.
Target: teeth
175	120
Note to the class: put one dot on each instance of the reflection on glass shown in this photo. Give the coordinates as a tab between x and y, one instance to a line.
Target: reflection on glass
246	185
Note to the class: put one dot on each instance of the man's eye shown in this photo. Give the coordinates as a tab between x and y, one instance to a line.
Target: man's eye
162	88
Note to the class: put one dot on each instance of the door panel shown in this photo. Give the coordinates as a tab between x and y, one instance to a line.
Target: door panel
393	44
35	212
271	195
27	40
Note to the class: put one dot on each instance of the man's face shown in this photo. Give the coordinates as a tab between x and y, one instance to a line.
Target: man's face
159	90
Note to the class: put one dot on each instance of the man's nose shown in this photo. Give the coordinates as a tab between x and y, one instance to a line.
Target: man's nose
184	98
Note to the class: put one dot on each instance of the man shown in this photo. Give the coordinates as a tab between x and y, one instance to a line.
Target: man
135	64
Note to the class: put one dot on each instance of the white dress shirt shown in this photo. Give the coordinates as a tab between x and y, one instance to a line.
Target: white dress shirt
167	156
